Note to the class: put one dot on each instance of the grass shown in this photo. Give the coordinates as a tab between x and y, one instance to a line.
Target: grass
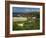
30	24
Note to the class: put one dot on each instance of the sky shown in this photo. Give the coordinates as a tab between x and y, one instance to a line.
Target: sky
25	10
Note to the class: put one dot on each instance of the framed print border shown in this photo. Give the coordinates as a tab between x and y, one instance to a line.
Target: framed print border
7	18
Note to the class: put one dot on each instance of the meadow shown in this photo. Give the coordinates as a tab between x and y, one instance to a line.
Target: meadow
26	23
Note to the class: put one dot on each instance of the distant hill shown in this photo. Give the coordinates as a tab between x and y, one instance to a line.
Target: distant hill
22	14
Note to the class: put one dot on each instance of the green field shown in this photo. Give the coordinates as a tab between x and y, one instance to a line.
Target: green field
27	23
30	24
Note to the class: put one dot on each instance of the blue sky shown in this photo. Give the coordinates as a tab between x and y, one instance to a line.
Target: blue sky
22	9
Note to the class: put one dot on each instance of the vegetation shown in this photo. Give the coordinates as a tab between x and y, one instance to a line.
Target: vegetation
30	24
